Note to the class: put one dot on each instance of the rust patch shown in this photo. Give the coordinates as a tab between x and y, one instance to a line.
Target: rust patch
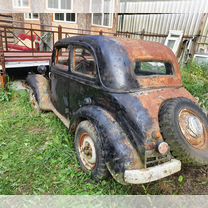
152	100
153	51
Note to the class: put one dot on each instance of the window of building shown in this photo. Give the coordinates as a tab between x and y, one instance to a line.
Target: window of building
152	68
65	17
21	3
60	4
31	16
83	62
62	60
104	12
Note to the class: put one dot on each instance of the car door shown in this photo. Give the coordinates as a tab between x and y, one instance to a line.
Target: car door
83	83
60	80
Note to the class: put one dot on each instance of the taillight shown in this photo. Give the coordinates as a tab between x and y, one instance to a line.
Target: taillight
163	148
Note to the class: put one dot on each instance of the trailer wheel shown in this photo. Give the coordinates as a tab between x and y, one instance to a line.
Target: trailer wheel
185	127
89	150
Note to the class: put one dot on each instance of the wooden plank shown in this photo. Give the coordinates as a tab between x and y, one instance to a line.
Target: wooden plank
6	15
26	54
20	65
20	57
26	60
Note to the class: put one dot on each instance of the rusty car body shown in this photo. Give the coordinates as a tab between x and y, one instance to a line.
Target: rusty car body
123	107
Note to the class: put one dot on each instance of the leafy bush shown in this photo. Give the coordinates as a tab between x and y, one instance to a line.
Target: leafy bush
195	79
5	95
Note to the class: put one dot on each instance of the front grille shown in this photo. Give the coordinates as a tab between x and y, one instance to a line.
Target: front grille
153	159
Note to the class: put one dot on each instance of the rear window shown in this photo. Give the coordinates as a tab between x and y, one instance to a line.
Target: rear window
142	68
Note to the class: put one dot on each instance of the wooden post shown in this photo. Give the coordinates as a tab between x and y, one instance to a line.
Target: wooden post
142	34
5	38
53	37
32	41
59	32
100	32
2	64
59	38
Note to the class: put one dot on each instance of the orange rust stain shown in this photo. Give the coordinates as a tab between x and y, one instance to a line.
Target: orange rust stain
159	81
153	51
144	50
152	100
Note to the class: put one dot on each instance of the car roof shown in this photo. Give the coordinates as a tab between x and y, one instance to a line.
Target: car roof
137	49
116	56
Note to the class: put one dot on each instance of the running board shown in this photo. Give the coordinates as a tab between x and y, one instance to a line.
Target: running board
65	121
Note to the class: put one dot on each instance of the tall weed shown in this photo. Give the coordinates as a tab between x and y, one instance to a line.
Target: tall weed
195	79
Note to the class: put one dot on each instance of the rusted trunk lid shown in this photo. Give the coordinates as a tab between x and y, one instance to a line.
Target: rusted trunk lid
152	100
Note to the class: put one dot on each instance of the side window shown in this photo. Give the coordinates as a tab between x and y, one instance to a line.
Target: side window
62	58
83	62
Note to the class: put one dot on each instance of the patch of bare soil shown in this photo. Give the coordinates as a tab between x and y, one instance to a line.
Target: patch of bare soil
195	180
191	180
36	130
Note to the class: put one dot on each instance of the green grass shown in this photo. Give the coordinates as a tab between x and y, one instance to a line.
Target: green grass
37	156
195	79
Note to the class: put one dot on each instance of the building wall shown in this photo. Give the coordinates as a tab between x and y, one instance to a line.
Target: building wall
40	6
19	22
6	6
81	6
84	21
109	30
4	21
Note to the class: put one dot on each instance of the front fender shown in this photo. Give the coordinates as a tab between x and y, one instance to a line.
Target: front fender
41	89
120	155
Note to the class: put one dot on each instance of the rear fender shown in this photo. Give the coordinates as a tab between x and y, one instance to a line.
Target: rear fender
120	155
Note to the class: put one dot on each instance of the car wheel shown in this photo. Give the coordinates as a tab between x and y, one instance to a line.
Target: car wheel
185	127
89	149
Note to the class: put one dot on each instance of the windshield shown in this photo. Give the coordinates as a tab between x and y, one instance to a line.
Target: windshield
147	68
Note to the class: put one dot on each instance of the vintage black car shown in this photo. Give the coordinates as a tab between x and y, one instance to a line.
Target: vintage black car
125	102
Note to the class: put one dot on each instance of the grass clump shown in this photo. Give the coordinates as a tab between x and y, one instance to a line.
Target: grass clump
5	95
195	79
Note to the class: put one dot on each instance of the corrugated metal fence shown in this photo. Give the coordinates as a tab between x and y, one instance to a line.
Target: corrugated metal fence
152	20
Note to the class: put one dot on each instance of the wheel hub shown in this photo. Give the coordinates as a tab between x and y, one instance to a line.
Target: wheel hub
87	151
195	126
193	129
